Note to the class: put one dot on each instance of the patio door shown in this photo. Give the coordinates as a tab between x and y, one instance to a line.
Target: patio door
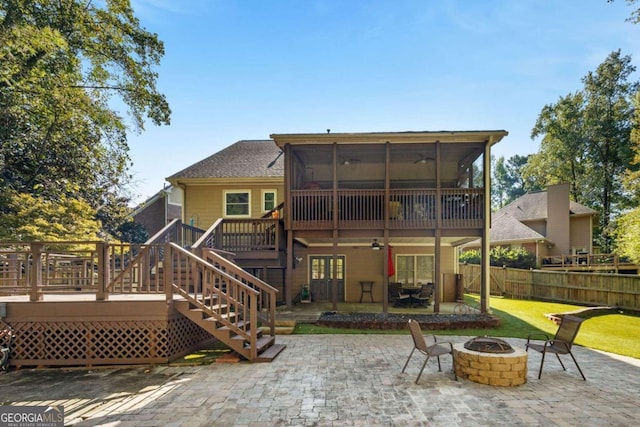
321	277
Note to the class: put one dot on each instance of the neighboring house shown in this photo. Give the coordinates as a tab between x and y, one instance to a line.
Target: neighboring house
545	223
160	209
345	196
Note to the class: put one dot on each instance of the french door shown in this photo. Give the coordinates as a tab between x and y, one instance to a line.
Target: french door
321	277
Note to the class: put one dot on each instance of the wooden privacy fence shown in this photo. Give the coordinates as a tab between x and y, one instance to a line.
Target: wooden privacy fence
616	290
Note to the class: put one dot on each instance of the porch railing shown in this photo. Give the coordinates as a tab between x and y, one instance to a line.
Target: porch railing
585	261
243	235
406	208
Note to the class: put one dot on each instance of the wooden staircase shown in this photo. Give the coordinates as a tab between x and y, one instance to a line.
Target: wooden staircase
232	305
229	328
210	289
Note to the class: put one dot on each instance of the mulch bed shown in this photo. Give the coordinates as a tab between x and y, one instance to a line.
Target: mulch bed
388	321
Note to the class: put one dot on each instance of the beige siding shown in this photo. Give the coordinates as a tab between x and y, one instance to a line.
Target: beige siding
581	233
204	203
539	227
363	263
558	218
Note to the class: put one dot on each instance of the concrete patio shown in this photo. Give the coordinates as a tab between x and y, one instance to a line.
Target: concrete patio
335	380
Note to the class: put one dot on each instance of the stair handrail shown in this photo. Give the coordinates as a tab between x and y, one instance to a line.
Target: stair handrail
208	238
246	290
162	236
267	293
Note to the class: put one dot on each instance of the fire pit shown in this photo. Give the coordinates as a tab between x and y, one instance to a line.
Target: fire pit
488	345
487	360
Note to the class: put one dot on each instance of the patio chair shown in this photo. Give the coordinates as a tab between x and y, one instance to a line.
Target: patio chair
396	295
425	295
436	349
560	344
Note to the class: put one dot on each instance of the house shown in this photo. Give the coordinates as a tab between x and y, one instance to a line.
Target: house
545	223
158	210
418	195
244	181
334	217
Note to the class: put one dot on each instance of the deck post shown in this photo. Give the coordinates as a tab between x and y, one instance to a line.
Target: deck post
167	271
36	272
103	271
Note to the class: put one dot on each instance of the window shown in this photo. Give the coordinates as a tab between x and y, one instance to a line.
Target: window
414	269
237	203
268	200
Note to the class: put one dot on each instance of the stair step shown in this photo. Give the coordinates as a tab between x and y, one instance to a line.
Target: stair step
263	343
270	353
227	316
241	338
239	324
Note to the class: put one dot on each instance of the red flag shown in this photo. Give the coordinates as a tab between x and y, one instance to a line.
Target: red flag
390	268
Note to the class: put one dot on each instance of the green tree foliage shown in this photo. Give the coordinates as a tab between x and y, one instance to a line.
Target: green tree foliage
508	182
586	142
132	232
635	14
500	256
32	218
628	224
63	65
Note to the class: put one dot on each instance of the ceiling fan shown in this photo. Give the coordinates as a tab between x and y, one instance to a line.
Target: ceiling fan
349	161
423	159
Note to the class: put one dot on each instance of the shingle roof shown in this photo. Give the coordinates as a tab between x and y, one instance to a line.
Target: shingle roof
244	159
505	227
533	206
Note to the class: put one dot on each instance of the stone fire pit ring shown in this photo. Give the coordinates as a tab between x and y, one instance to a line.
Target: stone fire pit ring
498	369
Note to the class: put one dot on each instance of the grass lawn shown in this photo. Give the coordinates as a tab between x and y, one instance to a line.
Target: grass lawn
612	332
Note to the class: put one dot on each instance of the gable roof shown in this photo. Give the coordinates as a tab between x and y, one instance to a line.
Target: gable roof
243	159
505	227
533	206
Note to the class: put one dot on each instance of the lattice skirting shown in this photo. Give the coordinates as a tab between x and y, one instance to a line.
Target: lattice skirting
104	342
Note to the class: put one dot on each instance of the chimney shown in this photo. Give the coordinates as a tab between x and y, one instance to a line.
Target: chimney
558	226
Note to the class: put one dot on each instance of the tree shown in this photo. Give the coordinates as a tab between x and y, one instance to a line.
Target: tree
35	219
586	142
560	158
635	14
508	182
132	232
628	225
62	65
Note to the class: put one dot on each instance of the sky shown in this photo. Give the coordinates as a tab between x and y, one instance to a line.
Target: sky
245	69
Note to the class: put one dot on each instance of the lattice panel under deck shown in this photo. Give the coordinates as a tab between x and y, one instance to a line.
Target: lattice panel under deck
103	342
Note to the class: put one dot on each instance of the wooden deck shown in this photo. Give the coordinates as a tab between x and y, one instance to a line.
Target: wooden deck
91	303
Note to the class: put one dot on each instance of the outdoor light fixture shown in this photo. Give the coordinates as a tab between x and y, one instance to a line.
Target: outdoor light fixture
375	245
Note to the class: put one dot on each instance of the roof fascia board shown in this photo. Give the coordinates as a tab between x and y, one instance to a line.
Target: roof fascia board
229	181
392	137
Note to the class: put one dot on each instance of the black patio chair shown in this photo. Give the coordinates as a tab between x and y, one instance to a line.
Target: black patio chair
396	296
426	293
436	349
560	344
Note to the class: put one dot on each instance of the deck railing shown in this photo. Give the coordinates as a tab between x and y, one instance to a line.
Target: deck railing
585	261
243	235
405	208
178	233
